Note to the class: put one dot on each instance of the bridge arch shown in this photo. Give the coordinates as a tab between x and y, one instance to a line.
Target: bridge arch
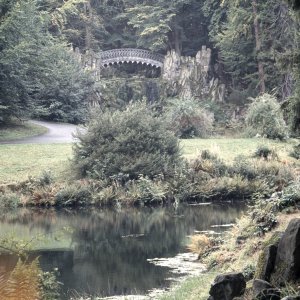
132	55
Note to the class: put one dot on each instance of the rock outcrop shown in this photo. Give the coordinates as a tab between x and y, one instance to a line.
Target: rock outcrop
278	265
267	259
262	290
287	265
227	286
188	77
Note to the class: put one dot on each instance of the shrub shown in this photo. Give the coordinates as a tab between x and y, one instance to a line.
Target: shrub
200	244
50	286
188	119
248	272
209	163
265	152
244	167
296	152
126	144
264	117
146	191
74	195
9	200
46	178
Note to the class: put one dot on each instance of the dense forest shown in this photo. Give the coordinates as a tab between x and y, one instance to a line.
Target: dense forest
255	49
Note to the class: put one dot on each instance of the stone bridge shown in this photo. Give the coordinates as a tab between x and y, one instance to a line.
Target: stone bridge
110	57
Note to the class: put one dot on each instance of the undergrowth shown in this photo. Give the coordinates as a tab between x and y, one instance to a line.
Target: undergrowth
206	178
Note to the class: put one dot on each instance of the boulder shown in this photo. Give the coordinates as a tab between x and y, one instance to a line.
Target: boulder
227	286
266	263
287	265
262	290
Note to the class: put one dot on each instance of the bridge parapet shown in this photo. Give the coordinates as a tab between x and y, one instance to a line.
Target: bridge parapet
131	55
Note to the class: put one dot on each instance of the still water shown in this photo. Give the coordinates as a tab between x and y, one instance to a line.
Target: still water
105	251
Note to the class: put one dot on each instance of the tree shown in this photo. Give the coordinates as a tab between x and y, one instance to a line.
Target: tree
37	71
22	40
162	25
258	42
253	38
64	90
264	117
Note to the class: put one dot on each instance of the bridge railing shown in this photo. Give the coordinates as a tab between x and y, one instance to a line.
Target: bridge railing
130	52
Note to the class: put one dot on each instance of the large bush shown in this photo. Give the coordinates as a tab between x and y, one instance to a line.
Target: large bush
126	144
264	117
188	119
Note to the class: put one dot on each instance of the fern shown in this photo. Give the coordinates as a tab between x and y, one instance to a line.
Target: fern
21	283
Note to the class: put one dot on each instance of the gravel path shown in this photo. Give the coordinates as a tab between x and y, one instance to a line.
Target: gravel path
57	133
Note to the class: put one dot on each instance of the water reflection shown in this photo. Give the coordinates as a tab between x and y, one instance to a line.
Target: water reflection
107	250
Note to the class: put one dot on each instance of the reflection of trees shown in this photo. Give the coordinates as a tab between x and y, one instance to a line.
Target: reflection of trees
107	258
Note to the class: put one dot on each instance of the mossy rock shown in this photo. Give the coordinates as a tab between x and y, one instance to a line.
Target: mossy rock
266	261
273	240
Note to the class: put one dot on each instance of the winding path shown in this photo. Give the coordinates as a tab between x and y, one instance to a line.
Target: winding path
57	133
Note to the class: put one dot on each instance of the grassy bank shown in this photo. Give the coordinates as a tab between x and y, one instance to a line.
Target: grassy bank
213	176
239	257
19	130
20	161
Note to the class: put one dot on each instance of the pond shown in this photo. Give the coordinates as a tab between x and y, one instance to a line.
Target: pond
106	252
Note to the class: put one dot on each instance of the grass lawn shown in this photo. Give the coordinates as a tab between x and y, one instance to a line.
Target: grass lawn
229	148
20	130
19	161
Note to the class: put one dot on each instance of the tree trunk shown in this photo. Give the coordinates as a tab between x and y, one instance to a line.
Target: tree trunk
261	73
88	28
177	41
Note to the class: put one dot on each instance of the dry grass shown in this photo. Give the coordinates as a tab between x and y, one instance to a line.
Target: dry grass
199	243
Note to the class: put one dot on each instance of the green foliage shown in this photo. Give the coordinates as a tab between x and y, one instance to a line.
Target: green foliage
74	195
291	195
152	23
9	200
264	117
263	216
188	119
21	42
64	90
132	143
249	272
46	178
50	286
38	72
296	152
145	191
119	92
242	166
